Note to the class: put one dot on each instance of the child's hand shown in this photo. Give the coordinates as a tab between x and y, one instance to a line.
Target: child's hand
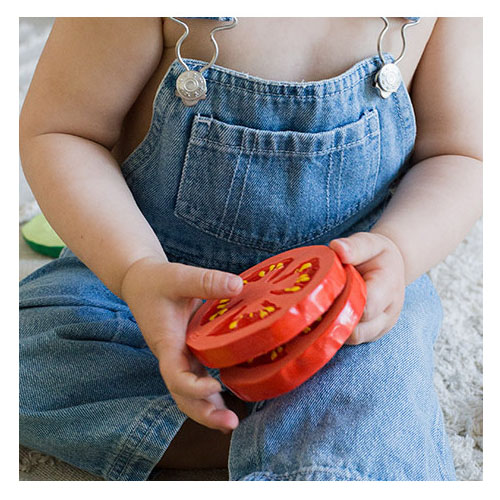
163	296
381	264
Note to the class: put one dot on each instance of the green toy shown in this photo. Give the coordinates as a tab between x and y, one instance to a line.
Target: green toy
41	237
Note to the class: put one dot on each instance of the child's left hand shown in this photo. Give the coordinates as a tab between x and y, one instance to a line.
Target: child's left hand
379	261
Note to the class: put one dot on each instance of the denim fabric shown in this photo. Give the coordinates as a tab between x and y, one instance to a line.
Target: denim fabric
256	168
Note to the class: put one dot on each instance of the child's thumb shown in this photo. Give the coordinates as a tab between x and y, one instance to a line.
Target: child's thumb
208	283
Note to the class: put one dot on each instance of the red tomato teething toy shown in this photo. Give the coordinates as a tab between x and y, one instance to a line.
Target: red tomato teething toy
292	363
281	296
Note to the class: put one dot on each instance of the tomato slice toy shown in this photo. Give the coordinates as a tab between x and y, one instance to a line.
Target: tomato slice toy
281	296
286	367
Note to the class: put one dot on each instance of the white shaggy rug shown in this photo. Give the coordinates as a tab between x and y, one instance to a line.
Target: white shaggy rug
458	350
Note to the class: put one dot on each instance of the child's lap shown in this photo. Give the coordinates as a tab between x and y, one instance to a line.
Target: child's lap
370	413
81	346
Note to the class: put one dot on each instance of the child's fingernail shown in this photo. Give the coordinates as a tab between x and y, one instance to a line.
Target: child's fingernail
234	282
343	244
215	386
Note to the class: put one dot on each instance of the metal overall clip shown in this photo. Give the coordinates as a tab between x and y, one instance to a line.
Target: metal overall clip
191	85
388	78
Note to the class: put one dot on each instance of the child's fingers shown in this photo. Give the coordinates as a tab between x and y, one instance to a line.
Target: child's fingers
210	412
192	281
357	248
368	331
378	295
175	368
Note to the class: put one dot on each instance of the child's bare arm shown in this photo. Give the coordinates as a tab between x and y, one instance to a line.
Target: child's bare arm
440	198
89	75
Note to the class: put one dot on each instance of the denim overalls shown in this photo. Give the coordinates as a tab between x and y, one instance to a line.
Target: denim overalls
256	168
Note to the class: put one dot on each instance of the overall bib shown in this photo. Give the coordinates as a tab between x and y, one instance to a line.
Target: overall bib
256	168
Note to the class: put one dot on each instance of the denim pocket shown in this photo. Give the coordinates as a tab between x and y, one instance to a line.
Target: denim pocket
272	190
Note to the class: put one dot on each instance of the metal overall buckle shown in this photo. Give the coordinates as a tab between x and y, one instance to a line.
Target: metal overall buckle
388	78
191	85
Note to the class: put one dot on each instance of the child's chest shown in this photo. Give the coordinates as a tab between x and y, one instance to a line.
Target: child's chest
298	49
283	49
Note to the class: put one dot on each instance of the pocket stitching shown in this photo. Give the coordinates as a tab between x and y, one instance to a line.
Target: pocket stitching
242	188
370	118
328	190
268	152
252	242
183	175
235	171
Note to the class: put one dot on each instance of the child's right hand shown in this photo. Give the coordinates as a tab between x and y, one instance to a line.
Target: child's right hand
163	296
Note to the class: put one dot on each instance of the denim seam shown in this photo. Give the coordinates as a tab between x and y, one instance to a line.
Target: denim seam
368	119
138	434
24	305
183	177
142	159
236	238
323	152
328	189
144	147
257	244
339	185
435	438
291	96
243	187
401	121
376	167
143	155
235	172
408	138
130	443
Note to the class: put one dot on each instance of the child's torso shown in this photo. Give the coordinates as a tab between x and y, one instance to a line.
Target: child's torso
282	49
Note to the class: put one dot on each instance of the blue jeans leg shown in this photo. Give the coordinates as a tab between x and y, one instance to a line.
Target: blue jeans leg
90	390
371	413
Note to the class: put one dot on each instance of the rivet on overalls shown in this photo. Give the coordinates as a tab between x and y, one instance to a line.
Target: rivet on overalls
388	78
191	85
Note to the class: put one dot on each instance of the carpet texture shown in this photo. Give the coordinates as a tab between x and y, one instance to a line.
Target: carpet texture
458	350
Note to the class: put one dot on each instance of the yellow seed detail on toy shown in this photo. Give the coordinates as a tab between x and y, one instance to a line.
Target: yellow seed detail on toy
263	314
303	277
269	308
218	313
251	315
274	355
304	266
307	329
279	349
319	318
245	282
279	265
223	301
271	267
233	324
221	306
262	274
293	289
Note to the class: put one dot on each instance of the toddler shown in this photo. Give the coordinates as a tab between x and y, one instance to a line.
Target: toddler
309	131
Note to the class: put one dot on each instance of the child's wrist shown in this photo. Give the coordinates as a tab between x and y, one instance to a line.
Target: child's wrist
133	267
393	242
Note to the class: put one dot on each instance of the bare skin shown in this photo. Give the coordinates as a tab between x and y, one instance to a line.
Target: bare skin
285	49
89	106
